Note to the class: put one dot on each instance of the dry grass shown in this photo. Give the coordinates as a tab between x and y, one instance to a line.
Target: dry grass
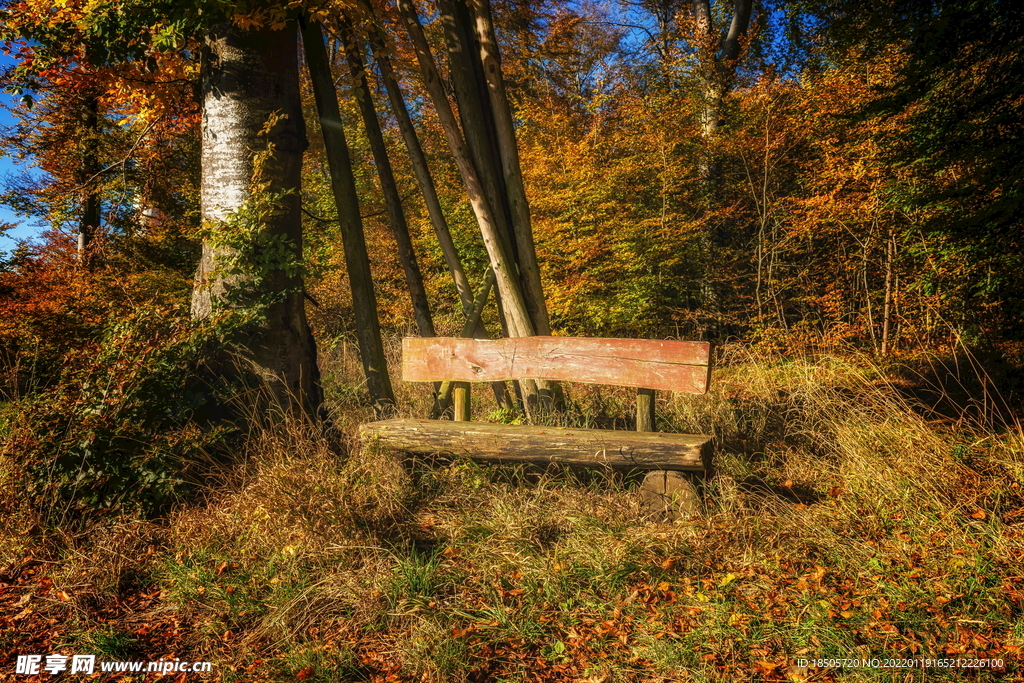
841	523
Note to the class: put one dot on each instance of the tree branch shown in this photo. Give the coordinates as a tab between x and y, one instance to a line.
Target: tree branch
737	29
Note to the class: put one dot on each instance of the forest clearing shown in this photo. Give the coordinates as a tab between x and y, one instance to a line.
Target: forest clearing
772	248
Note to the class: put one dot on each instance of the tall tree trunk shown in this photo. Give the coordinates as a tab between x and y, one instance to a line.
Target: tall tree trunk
466	75
392	198
437	218
890	254
496	240
343	185
717	55
251	101
508	149
89	220
481	165
424	180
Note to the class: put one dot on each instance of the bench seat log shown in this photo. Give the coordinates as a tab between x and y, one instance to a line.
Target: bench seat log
543	445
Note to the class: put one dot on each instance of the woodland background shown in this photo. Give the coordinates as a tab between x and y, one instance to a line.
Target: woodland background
837	205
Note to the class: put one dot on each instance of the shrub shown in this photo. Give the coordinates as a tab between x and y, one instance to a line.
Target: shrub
130	423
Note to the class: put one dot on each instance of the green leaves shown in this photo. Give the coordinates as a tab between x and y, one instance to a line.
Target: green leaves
126	427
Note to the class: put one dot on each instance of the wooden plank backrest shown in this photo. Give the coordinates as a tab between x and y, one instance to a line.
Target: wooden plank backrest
650	364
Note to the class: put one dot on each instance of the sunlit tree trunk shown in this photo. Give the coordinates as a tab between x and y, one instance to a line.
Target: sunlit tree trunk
890	255
495	239
480	129
425	180
504	128
250	92
474	327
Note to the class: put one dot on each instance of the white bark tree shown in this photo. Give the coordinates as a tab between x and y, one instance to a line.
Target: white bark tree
250	91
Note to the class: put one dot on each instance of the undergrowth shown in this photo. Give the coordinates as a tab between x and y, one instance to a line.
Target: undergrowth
842	522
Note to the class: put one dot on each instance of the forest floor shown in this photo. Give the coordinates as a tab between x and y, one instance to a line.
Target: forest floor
857	513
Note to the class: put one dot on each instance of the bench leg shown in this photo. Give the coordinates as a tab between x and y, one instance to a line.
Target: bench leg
668	495
645	410
463	411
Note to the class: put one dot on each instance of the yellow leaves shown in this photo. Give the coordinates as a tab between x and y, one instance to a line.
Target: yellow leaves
726	580
739	619
275	18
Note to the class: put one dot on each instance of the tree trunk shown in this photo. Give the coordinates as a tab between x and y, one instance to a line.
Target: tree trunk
472	306
251	101
89	221
495	239
424	180
890	253
717	56
504	127
466	75
392	198
343	185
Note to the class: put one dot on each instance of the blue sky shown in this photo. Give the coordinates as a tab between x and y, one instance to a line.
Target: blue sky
9	239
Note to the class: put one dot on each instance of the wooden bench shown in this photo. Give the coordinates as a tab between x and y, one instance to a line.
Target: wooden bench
649	365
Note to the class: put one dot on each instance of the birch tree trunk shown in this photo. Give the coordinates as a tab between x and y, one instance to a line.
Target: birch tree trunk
250	92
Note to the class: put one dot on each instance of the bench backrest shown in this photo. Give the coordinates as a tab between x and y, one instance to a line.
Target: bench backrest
649	364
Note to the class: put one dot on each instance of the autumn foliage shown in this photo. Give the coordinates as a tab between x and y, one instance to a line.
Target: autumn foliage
833	195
